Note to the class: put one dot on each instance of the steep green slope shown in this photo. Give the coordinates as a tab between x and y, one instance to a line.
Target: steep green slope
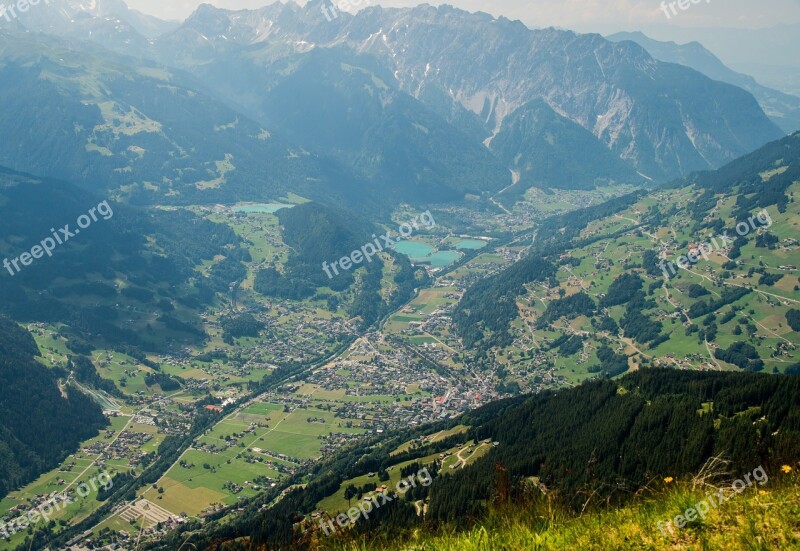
595	446
783	109
753	518
144	132
615	437
40	423
541	145
351	108
319	237
675	276
142	262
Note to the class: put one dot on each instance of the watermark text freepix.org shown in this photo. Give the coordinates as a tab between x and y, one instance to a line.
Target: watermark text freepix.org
331	11
702	508
21	6
49	244
368	505
704	249
682	4
383	242
46	510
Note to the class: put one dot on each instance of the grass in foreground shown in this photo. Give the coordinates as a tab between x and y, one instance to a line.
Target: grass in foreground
760	518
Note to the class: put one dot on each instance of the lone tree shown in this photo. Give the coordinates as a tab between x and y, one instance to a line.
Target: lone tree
349	493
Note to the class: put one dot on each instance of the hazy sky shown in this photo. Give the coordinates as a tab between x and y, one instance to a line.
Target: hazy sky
581	15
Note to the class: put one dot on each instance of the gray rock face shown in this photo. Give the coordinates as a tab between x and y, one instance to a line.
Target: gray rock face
665	120
782	108
662	119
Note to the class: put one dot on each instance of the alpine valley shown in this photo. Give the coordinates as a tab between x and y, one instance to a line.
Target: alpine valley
409	278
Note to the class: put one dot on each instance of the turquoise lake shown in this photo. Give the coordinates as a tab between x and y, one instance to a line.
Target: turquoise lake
471	244
415	250
442	258
422	252
268	208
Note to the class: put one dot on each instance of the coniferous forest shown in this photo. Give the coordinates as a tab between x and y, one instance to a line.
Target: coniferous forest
345	275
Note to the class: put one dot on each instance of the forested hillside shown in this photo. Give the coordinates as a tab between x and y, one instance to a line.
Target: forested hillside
265	266
319	237
596	445
613	438
40	423
154	253
540	143
616	264
144	132
489	306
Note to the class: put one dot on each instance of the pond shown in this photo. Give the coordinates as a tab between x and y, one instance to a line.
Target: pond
424	253
415	250
261	208
471	244
442	258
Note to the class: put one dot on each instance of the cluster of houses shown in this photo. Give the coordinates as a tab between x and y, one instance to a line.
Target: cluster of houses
128	446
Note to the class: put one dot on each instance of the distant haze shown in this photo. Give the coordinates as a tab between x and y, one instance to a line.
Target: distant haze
581	15
758	38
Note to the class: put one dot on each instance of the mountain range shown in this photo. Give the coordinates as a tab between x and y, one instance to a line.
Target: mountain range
770	54
606	88
409	102
782	108
599	299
